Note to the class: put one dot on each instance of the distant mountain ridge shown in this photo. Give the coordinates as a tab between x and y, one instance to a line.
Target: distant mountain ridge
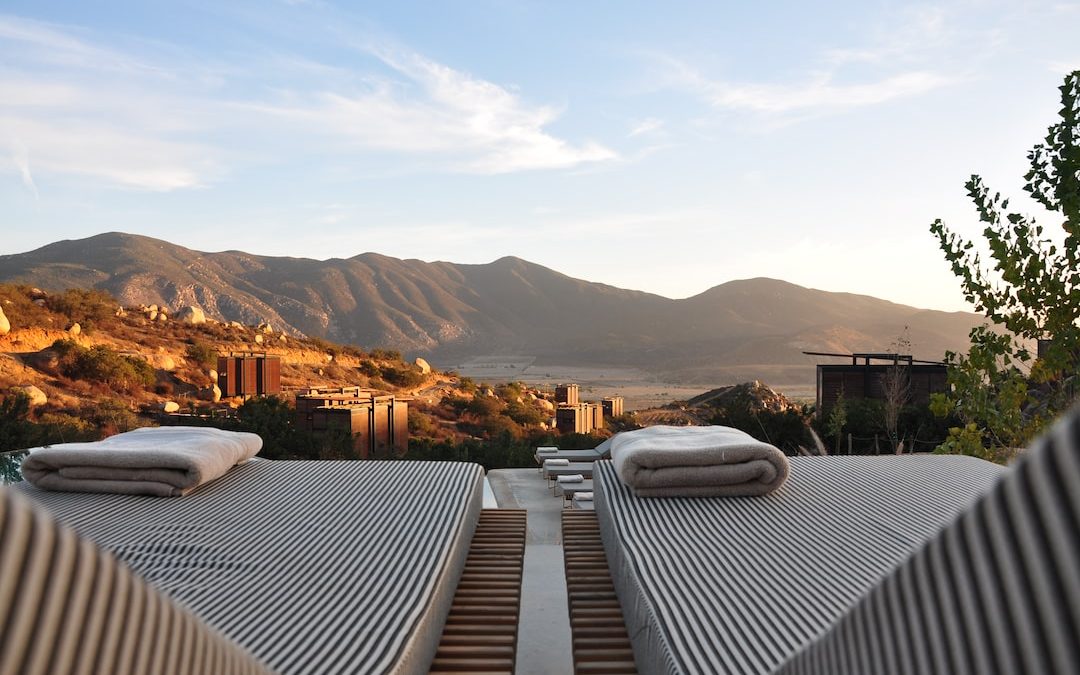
449	312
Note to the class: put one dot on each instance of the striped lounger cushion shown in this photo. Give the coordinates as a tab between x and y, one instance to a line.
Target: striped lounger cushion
67	606
997	591
312	567
737	585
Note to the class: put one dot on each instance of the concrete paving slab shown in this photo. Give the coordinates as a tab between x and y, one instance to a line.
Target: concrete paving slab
544	628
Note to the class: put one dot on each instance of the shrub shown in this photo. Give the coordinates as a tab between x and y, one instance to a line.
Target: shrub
103	364
524	414
468	385
202	353
484	406
85	306
112	416
405	376
385	354
20	309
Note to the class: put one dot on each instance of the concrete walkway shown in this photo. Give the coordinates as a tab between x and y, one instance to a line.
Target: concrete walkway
544	628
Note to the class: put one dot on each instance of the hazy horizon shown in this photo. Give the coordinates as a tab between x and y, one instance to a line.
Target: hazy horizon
664	149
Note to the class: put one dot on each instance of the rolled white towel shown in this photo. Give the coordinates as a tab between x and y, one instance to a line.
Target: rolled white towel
583	496
556	462
572	478
543	449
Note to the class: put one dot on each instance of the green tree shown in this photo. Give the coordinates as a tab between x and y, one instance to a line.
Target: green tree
837	420
1000	391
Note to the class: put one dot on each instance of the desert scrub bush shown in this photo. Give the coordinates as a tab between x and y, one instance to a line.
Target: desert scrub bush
421	424
510	391
484	406
369	369
319	344
404	376
385	354
468	385
67	428
17	430
201	353
524	414
112	416
103	364
84	306
20	308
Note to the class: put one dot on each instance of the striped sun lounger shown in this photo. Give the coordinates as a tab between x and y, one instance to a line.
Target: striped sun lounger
572	455
738	585
568	490
583	468
602	451
309	567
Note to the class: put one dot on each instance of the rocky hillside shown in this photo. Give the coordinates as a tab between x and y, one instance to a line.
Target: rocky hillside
89	366
446	312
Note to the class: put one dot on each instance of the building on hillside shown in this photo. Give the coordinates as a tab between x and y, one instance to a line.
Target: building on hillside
313	397
574	419
868	380
613	406
596	412
580	418
566	394
247	374
378	424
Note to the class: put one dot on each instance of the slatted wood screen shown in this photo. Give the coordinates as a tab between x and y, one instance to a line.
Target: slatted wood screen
600	642
481	630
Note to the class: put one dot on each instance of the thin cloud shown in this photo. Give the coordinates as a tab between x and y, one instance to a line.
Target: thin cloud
431	109
903	57
112	154
22	164
646	126
61	45
88	110
821	93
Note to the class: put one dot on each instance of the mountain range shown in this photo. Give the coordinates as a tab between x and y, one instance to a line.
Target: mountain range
447	312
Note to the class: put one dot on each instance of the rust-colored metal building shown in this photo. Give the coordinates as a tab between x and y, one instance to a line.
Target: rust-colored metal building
249	374
867	380
567	394
613	406
379	425
310	399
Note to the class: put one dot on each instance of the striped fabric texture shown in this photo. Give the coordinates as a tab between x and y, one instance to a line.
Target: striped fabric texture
998	591
738	585
312	567
66	606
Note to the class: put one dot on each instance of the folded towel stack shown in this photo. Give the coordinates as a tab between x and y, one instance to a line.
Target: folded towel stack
665	461
572	478
556	462
159	461
545	449
583	496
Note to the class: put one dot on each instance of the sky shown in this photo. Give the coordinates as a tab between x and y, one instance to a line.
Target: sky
665	147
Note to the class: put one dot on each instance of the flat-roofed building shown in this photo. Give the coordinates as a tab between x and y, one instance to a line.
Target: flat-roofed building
567	394
613	406
868	380
379	425
577	418
310	399
249	374
596	415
